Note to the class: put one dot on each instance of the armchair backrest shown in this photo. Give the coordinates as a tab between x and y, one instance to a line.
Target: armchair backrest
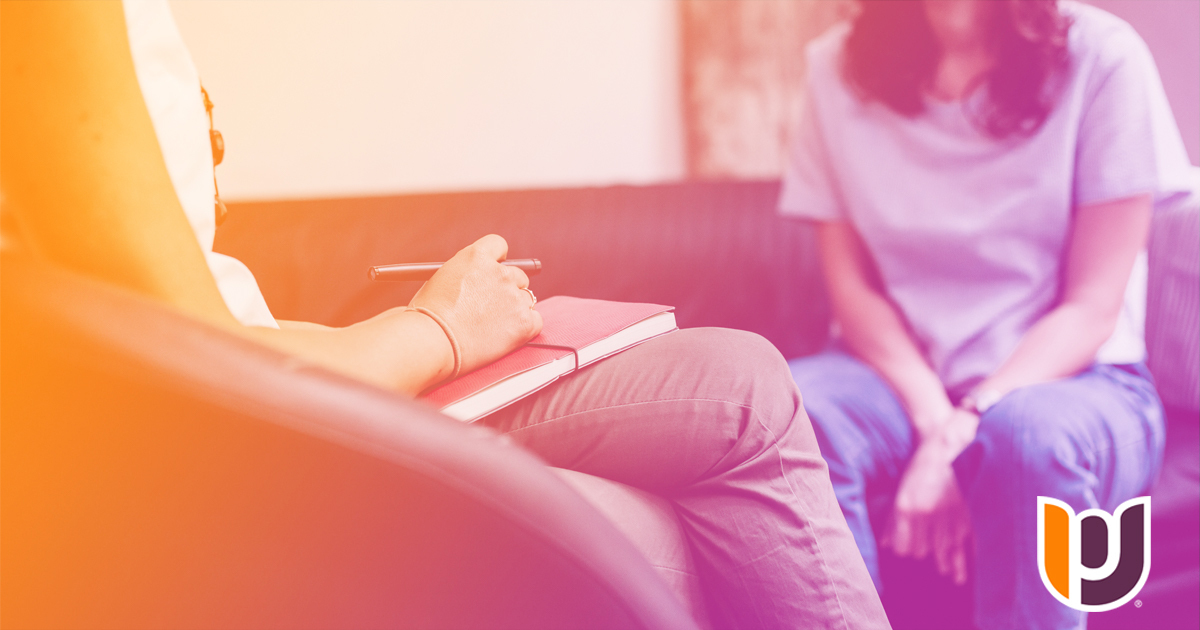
160	473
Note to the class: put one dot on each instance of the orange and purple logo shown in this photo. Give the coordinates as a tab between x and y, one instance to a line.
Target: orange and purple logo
1093	561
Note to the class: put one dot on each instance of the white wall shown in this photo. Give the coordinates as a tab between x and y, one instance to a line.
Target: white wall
360	97
330	98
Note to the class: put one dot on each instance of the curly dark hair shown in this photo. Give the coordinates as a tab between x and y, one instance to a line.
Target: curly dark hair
892	55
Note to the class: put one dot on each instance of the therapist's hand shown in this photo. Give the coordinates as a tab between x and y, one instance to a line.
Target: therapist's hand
930	514
483	302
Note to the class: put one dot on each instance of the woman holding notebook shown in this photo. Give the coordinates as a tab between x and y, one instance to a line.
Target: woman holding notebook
107	169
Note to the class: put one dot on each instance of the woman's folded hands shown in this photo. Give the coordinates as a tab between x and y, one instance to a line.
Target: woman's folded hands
930	515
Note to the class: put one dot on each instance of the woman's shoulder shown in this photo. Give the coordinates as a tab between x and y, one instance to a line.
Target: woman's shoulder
1099	37
824	53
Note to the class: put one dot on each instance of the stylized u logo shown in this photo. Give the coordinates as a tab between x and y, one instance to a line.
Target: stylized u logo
1093	561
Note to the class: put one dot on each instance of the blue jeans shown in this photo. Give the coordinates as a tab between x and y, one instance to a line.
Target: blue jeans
1093	440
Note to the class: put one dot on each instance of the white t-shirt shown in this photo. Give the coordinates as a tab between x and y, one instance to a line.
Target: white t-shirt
970	233
171	88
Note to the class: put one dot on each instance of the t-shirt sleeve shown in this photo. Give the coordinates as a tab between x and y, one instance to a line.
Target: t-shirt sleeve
809	190
1128	142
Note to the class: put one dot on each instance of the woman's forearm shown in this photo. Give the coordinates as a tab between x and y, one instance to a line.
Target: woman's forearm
1059	345
873	329
286	324
1105	242
399	350
876	334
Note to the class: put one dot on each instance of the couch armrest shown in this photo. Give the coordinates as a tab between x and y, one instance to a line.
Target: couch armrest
1173	302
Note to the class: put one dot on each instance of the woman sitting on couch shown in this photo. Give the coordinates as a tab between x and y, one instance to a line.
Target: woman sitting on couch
983	174
106	168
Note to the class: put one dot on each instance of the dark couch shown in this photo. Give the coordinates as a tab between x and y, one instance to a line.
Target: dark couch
159	473
717	252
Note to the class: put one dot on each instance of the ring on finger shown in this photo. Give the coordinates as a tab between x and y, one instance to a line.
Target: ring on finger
532	297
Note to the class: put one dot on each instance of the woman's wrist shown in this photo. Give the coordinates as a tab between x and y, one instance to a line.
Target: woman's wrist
928	426
455	349
436	346
980	399
928	407
958	431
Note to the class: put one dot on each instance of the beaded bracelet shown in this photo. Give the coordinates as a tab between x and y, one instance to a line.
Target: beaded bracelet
449	335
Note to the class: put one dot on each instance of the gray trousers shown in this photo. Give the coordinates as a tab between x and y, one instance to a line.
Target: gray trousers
711	420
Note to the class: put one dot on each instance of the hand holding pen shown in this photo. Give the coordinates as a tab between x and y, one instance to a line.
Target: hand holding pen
479	301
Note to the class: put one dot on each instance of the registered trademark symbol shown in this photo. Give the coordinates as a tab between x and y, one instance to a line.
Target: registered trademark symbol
1137	603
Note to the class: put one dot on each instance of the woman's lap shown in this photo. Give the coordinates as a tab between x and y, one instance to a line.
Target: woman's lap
642	410
710	420
1092	440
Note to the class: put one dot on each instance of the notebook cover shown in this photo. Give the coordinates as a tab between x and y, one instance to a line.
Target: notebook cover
566	321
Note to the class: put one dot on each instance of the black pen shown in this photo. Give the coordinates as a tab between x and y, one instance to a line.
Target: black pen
420	272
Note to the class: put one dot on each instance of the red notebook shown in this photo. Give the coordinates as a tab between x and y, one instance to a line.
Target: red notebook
583	331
